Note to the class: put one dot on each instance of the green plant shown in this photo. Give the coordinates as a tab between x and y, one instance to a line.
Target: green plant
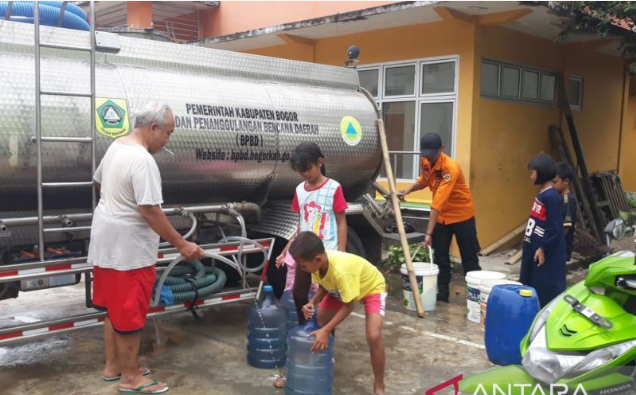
395	257
631	199
603	18
628	216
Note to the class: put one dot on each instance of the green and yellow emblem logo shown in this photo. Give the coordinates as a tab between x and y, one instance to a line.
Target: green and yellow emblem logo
112	117
350	130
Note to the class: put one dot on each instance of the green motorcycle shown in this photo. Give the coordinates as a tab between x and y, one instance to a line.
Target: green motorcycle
582	343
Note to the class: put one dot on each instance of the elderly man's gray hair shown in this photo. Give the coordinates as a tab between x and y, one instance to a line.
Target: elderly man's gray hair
153	112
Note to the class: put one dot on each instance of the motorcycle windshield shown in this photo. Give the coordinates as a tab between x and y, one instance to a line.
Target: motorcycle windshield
569	330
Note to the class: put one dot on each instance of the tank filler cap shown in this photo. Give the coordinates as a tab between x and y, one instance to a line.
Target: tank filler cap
526	293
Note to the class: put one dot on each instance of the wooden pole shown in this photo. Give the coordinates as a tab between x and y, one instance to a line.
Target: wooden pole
558	141
504	240
514	258
578	151
399	222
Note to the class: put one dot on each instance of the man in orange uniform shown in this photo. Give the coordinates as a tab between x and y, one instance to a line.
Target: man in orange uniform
452	211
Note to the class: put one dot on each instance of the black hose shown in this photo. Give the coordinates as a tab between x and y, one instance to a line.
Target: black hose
189	274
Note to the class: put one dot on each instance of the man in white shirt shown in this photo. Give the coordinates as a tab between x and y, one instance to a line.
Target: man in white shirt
127	224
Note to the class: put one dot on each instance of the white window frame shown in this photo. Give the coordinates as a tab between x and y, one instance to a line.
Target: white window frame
576	107
395	66
426	62
419	98
379	78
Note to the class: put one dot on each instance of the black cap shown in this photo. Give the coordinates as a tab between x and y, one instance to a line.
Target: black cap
430	144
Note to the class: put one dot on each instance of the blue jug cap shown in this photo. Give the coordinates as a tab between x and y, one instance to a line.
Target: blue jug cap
311	324
268	288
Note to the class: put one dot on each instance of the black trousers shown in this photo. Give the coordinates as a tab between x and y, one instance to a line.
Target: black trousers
466	234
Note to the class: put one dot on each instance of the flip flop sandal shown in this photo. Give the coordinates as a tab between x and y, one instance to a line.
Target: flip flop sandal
279	382
118	377
140	389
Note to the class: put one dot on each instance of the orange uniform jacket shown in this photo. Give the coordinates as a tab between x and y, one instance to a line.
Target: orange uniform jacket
451	196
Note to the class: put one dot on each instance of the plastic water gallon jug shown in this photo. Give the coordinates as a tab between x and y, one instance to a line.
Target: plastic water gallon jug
485	288
511	311
267	332
308	373
287	300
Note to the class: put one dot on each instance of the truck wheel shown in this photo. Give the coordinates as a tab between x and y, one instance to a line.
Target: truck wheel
9	290
354	243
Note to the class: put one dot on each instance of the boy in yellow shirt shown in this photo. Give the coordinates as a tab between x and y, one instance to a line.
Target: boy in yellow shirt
343	279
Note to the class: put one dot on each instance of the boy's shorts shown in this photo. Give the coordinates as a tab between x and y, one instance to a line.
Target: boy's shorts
373	304
124	295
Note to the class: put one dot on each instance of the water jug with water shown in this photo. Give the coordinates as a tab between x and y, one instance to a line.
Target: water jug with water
308	373
511	311
267	332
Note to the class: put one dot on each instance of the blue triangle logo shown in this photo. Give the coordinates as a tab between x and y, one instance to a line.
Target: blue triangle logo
351	130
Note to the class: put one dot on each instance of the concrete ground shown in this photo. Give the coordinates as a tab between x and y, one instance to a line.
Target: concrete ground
208	356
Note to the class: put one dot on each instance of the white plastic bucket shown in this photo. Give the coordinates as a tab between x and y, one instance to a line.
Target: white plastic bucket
484	292
473	281
426	276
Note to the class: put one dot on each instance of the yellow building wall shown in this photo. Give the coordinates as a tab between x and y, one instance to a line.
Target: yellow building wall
403	43
495	139
506	135
599	122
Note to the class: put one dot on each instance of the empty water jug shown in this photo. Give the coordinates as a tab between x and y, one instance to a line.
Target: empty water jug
511	311
267	332
308	373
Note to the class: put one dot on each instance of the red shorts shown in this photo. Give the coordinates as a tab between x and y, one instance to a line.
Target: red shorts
124	295
373	304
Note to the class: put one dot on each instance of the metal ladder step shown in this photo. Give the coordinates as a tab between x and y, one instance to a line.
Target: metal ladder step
69	229
39	139
68	47
67	184
71	139
68	94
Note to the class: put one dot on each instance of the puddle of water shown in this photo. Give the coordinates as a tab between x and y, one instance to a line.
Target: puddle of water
26	319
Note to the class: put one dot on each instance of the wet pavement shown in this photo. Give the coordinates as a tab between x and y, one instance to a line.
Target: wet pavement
208	356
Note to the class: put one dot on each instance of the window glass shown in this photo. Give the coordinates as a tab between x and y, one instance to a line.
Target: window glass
548	83
438	78
400	81
574	92
369	80
437	118
530	85
510	82
489	79
399	121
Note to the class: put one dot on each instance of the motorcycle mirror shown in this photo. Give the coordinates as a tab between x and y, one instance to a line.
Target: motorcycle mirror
616	229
